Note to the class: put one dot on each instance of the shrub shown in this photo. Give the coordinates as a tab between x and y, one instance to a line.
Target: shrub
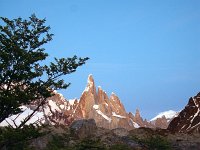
18	138
56	143
155	142
119	147
90	145
158	143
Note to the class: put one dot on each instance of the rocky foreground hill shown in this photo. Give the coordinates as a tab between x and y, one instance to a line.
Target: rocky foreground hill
108	112
85	134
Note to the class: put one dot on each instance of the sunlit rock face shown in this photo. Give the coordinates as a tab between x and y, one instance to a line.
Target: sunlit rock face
188	119
107	111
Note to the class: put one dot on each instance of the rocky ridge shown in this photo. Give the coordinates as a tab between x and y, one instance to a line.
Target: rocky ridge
188	119
85	134
108	112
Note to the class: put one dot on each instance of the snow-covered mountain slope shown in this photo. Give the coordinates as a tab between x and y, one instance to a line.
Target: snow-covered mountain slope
169	115
163	119
52	112
15	120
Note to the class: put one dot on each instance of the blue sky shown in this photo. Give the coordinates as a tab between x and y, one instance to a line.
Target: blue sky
147	52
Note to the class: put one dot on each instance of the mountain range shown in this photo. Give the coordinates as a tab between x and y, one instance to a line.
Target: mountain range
103	121
188	119
108	112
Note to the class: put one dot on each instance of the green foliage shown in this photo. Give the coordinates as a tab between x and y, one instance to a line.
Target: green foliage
90	145
18	138
57	143
120	147
23	78
155	142
61	142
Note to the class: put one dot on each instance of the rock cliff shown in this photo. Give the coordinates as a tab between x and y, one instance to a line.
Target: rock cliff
188	119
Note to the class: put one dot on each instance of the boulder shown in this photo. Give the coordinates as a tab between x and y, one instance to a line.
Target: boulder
83	128
121	132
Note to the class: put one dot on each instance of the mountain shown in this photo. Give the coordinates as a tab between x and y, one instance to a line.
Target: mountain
188	119
108	112
169	115
54	111
163	119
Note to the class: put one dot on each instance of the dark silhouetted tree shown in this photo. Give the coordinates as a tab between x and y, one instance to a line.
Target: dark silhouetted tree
23	78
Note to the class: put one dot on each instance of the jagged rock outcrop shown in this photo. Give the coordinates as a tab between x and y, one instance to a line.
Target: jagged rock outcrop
107	112
188	119
161	122
83	128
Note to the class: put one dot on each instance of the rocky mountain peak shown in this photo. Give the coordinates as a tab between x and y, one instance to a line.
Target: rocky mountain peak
113	94
188	119
114	98
108	112
90	85
137	113
90	81
99	88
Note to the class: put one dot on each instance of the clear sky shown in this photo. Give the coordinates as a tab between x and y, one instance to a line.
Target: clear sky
147	52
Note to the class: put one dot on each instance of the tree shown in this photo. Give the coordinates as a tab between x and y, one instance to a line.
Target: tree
23	79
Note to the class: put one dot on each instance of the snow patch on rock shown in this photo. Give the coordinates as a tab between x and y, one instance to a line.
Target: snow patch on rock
104	116
135	124
71	101
54	106
119	116
96	106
